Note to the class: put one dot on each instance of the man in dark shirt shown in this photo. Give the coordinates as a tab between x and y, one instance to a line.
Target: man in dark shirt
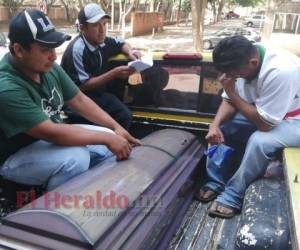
86	61
36	147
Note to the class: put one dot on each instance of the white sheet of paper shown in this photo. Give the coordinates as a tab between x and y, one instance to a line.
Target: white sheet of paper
144	63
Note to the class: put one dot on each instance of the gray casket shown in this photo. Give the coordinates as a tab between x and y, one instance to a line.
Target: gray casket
115	204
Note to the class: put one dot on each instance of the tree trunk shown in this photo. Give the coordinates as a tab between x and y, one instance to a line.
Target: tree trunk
145	5
65	4
121	13
152	2
214	9
178	13
220	10
158	6
269	19
166	11
112	21
80	4
124	14
198	12
173	13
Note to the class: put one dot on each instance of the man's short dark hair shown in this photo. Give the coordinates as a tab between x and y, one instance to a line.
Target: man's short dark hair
232	52
26	44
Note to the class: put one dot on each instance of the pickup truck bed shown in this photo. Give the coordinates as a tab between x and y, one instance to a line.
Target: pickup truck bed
263	223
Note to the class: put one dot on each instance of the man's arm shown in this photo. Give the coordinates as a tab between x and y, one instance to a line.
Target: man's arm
247	109
121	72
250	112
132	54
98	81
224	113
92	112
65	134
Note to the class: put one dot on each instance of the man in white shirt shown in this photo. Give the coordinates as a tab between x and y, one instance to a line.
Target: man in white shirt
259	115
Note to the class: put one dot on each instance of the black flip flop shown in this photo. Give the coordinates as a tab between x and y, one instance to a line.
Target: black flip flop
207	199
215	213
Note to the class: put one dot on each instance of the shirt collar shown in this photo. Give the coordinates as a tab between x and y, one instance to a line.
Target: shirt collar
90	46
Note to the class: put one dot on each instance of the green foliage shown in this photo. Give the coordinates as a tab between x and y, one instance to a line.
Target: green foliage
12	5
186	6
248	3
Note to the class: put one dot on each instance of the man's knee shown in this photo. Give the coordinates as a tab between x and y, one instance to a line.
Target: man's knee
238	129
261	142
77	160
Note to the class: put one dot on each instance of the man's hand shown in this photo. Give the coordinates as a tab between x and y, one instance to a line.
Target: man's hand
122	132
134	54
123	72
228	83
214	135
119	146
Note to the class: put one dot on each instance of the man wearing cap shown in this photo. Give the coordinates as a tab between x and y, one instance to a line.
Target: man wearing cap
259	116
86	62
36	148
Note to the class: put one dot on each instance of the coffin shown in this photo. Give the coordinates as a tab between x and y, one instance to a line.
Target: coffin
115	204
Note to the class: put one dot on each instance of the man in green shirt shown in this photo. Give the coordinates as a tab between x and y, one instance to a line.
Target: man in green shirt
36	147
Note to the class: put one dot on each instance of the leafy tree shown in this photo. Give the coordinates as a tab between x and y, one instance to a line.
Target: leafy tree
186	6
217	8
247	3
126	6
12	5
49	4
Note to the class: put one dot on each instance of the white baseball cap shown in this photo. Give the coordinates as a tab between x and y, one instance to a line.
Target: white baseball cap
91	13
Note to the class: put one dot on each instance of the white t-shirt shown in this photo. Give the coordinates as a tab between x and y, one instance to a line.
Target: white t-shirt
276	90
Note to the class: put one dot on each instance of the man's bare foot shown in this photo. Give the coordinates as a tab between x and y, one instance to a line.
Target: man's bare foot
220	210
205	194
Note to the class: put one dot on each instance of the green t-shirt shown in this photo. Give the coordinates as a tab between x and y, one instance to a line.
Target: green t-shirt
25	103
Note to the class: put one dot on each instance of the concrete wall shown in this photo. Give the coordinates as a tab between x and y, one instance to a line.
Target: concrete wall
143	22
58	13
3	14
290	7
55	13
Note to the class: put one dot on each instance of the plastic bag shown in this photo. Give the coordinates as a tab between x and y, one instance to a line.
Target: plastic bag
218	153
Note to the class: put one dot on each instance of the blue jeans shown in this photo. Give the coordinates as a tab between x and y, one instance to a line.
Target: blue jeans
44	163
114	107
253	151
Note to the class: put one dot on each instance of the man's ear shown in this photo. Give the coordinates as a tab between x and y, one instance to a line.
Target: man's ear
82	27
18	49
254	62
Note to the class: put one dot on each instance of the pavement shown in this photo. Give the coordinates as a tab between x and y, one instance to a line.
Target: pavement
172	39
180	39
175	38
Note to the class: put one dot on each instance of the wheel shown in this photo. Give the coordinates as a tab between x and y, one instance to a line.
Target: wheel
249	24
207	44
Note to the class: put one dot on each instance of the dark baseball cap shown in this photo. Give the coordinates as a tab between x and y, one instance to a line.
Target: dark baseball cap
91	13
34	25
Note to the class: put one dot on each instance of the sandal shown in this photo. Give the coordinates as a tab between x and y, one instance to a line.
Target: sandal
200	195
217	210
